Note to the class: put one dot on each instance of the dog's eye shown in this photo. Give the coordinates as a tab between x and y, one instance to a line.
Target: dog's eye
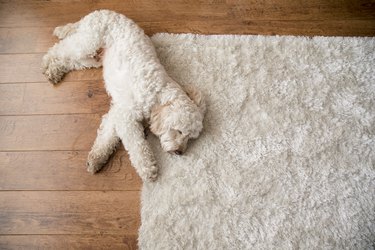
178	131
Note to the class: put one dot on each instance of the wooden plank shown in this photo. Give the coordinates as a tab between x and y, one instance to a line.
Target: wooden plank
48	132
36	242
55	212
261	27
44	98
26	40
301	11
40	39
52	13
27	68
65	170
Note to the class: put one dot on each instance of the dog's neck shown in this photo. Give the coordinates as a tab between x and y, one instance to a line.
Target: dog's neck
170	92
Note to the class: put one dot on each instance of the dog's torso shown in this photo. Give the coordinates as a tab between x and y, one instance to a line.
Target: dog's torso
133	75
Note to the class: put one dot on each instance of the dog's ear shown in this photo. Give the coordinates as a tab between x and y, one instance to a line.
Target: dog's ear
197	97
156	119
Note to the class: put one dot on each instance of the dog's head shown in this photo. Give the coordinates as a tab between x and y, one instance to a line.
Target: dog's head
179	120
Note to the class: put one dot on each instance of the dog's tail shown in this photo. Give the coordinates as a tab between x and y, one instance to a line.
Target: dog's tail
66	30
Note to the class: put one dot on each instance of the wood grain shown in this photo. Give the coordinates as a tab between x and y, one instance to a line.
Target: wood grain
55	212
48	132
20	68
12	40
26	40
65	170
36	242
267	27
43	98
53	13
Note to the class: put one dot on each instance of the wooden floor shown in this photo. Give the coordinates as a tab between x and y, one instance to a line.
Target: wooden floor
47	199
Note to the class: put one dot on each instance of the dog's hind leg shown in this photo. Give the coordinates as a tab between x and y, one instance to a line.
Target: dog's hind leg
104	145
74	52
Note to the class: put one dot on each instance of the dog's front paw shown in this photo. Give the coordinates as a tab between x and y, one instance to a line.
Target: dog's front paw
92	168
150	174
94	164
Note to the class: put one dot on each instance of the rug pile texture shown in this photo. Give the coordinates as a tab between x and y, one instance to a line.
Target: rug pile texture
286	159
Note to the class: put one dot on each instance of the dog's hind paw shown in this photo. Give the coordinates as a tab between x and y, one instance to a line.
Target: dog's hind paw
53	69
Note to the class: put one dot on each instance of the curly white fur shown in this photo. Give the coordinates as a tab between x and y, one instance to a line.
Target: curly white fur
140	88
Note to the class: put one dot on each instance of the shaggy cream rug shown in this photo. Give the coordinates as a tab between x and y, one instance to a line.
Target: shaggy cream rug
287	156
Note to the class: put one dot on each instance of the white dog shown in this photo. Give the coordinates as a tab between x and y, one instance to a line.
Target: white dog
140	88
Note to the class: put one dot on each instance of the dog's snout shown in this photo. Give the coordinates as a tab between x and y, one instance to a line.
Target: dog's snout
176	152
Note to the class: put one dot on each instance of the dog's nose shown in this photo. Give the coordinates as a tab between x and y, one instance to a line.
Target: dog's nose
178	152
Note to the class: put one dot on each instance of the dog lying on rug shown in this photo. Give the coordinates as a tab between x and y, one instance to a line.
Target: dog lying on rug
140	88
